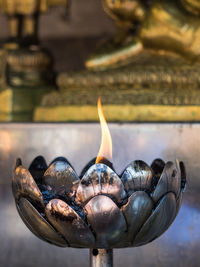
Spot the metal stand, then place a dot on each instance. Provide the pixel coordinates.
(101, 258)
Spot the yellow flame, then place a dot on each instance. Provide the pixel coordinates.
(105, 150)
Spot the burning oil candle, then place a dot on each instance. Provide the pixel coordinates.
(99, 209)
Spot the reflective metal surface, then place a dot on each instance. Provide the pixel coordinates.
(101, 258)
(179, 246)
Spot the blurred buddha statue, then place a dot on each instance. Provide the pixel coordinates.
(23, 16)
(160, 39)
(29, 65)
(162, 25)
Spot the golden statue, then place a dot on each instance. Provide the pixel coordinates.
(29, 66)
(163, 25)
(23, 18)
(149, 71)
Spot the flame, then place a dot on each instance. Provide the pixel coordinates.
(105, 150)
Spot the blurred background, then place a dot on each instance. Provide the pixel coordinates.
(70, 38)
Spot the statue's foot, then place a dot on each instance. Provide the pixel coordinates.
(169, 27)
(114, 53)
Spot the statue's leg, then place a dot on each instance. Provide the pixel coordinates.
(169, 27)
(114, 53)
(14, 26)
(125, 45)
(29, 25)
(31, 28)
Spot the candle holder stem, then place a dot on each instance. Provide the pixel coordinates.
(101, 258)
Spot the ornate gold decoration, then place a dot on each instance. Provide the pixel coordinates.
(29, 76)
(17, 104)
(165, 25)
(29, 68)
(29, 72)
(149, 71)
(156, 87)
(118, 113)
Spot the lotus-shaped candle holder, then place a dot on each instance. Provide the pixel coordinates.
(98, 209)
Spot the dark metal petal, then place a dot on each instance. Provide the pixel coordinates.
(100, 179)
(38, 225)
(157, 167)
(92, 162)
(159, 221)
(60, 178)
(38, 168)
(18, 162)
(170, 181)
(26, 221)
(106, 220)
(23, 185)
(69, 224)
(137, 176)
(183, 176)
(179, 202)
(136, 212)
(60, 159)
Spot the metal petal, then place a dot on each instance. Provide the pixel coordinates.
(60, 178)
(18, 162)
(100, 179)
(137, 176)
(157, 167)
(159, 221)
(60, 159)
(178, 165)
(179, 202)
(23, 185)
(38, 225)
(92, 162)
(183, 176)
(26, 221)
(170, 181)
(106, 220)
(38, 168)
(69, 224)
(137, 211)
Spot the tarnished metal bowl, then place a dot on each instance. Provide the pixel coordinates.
(99, 209)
